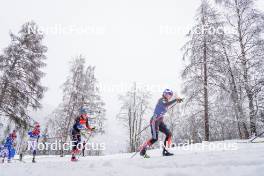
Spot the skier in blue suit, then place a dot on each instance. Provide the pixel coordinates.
(157, 124)
(8, 149)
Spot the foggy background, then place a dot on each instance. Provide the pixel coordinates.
(128, 41)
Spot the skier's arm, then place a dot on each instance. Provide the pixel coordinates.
(170, 102)
(88, 126)
(29, 133)
(178, 100)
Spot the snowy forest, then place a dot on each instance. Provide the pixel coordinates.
(21, 89)
(121, 87)
(222, 83)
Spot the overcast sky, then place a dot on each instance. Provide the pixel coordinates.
(127, 41)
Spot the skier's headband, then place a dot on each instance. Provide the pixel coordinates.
(84, 113)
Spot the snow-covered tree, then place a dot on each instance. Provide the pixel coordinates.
(199, 75)
(135, 104)
(246, 33)
(72, 95)
(92, 99)
(79, 90)
(21, 74)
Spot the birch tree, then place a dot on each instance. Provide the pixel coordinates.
(135, 104)
(246, 31)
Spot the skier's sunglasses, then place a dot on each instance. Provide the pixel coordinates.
(169, 93)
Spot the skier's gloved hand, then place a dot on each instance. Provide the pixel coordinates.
(179, 100)
(81, 127)
(93, 129)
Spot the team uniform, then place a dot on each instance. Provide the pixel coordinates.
(8, 151)
(81, 123)
(34, 136)
(157, 124)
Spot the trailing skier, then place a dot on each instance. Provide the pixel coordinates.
(157, 124)
(8, 151)
(81, 123)
(34, 136)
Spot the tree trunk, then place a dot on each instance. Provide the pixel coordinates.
(242, 130)
(205, 87)
(245, 74)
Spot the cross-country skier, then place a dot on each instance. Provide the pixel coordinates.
(157, 124)
(34, 136)
(8, 150)
(81, 123)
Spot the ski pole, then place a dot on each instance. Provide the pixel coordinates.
(146, 127)
(90, 134)
(256, 137)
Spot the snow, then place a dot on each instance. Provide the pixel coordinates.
(246, 160)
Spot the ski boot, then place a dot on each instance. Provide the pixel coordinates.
(166, 153)
(144, 153)
(20, 157)
(146, 156)
(34, 155)
(9, 160)
(73, 158)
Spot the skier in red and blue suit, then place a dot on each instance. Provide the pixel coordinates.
(157, 124)
(34, 136)
(81, 123)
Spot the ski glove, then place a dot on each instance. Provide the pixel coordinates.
(179, 100)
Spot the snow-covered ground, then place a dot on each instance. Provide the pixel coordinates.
(240, 159)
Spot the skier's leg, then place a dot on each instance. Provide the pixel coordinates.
(154, 133)
(34, 148)
(21, 156)
(163, 128)
(167, 142)
(34, 155)
(3, 154)
(74, 147)
(77, 140)
(9, 155)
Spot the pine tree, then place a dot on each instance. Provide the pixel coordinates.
(20, 78)
(80, 90)
(199, 73)
(72, 94)
(92, 99)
